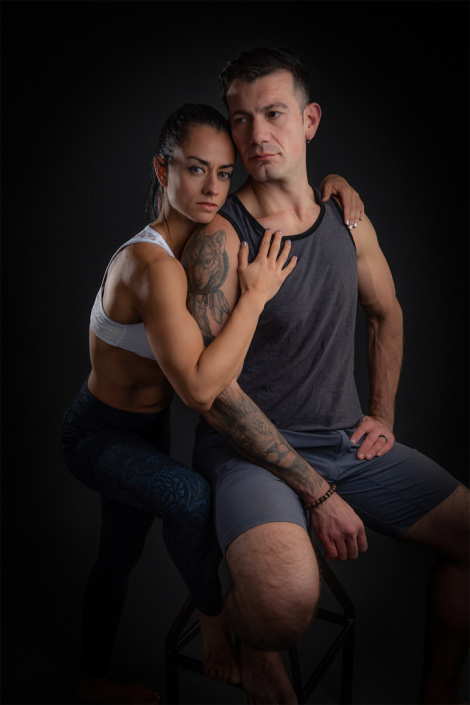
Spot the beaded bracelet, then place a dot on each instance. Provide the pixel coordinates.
(323, 499)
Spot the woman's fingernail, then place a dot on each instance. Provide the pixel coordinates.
(350, 227)
(243, 244)
(353, 440)
(355, 225)
(289, 242)
(280, 232)
(268, 229)
(347, 222)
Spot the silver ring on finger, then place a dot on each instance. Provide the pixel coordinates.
(382, 436)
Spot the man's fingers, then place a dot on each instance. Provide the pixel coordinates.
(362, 541)
(330, 548)
(364, 427)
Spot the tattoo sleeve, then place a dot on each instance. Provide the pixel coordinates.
(237, 418)
(233, 414)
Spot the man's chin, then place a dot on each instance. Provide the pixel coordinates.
(263, 172)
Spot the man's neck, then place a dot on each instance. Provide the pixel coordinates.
(288, 205)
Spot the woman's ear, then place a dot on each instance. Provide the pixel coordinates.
(161, 171)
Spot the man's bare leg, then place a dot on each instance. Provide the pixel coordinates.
(102, 690)
(446, 529)
(275, 591)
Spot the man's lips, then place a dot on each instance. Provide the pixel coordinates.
(261, 157)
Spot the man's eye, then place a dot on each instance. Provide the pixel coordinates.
(239, 120)
(273, 113)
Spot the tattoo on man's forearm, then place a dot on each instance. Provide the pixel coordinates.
(206, 265)
(237, 418)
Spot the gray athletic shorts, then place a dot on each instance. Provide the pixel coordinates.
(389, 493)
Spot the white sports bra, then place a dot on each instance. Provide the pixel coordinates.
(131, 336)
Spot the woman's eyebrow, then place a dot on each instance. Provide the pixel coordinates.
(222, 166)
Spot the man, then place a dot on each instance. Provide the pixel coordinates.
(299, 372)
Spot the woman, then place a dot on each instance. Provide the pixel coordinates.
(115, 437)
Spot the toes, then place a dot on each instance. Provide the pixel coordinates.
(235, 675)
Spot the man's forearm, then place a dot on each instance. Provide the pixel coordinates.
(237, 418)
(385, 359)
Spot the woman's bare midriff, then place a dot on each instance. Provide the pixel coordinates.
(125, 380)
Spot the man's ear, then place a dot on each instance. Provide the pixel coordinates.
(161, 170)
(312, 116)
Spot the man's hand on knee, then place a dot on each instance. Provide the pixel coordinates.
(339, 529)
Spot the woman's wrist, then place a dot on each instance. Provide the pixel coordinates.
(254, 299)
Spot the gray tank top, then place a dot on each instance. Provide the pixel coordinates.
(300, 365)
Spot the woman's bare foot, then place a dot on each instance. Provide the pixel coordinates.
(265, 679)
(102, 690)
(219, 655)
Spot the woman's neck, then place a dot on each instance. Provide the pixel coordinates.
(175, 229)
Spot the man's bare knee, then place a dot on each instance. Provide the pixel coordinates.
(276, 585)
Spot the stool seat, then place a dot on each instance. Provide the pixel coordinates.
(180, 635)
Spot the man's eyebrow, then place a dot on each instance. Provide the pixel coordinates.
(222, 166)
(264, 109)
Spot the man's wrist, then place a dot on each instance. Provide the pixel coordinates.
(386, 419)
(313, 496)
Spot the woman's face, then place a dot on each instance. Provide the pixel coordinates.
(198, 179)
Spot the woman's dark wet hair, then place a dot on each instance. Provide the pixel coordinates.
(173, 134)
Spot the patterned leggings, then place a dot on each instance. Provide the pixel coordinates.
(125, 457)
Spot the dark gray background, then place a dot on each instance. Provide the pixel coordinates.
(86, 89)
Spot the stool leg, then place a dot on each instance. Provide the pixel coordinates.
(171, 675)
(296, 673)
(347, 668)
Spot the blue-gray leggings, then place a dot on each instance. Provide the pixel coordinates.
(125, 457)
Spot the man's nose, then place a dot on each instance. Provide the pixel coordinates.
(259, 131)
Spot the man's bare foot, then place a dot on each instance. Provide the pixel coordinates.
(219, 655)
(265, 679)
(102, 690)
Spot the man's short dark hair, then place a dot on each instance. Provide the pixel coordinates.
(250, 65)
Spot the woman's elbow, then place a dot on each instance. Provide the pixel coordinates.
(199, 401)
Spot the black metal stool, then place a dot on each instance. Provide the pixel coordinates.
(177, 640)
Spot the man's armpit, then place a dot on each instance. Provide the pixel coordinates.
(207, 265)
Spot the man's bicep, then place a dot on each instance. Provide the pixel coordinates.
(210, 261)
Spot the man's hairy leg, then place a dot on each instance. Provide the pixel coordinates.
(446, 530)
(275, 591)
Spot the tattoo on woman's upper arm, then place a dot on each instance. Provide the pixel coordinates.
(206, 264)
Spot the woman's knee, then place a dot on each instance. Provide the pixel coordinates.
(186, 496)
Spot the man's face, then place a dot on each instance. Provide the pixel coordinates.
(268, 127)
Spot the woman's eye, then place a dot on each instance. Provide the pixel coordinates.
(193, 169)
(225, 174)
